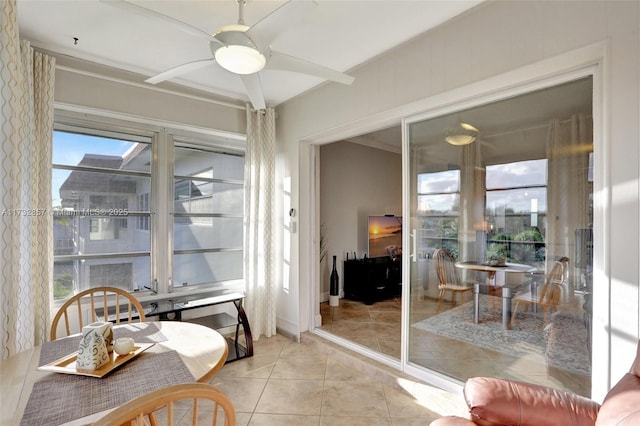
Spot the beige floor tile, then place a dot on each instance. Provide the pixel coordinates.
(393, 304)
(260, 419)
(305, 367)
(340, 372)
(354, 421)
(387, 329)
(389, 345)
(392, 317)
(243, 392)
(352, 315)
(294, 348)
(270, 345)
(402, 404)
(242, 419)
(301, 397)
(411, 422)
(256, 367)
(353, 328)
(342, 398)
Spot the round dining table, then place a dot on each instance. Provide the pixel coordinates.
(496, 277)
(200, 351)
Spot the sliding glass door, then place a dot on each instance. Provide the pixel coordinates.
(501, 214)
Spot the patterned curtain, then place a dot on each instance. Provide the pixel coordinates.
(26, 128)
(259, 239)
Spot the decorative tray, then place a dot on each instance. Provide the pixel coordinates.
(67, 364)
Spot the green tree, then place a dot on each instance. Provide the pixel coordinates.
(62, 286)
(499, 246)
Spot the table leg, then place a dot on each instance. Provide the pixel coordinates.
(476, 303)
(506, 307)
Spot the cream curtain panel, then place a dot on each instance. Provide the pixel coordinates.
(472, 204)
(259, 245)
(26, 128)
(569, 143)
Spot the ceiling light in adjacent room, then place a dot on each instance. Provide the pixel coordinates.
(462, 134)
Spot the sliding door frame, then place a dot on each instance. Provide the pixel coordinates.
(591, 60)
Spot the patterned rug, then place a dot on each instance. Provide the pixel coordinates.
(527, 336)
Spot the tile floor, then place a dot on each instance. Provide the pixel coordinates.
(288, 383)
(377, 327)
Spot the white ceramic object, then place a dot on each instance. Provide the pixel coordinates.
(104, 329)
(92, 352)
(123, 345)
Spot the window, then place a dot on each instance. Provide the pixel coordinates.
(438, 210)
(95, 178)
(516, 205)
(113, 213)
(208, 216)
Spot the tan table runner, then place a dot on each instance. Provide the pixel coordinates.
(139, 332)
(66, 397)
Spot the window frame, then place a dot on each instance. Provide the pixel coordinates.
(426, 238)
(540, 216)
(162, 137)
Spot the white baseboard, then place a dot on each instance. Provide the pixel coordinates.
(288, 329)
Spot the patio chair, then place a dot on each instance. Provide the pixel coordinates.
(98, 300)
(449, 280)
(205, 403)
(548, 297)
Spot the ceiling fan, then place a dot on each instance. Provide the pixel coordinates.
(245, 50)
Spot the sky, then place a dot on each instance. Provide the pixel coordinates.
(511, 175)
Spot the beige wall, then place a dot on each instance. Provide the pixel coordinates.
(87, 85)
(491, 40)
(356, 181)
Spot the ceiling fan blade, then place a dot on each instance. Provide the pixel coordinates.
(254, 90)
(188, 28)
(180, 69)
(282, 62)
(272, 25)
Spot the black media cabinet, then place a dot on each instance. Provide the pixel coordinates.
(171, 308)
(372, 279)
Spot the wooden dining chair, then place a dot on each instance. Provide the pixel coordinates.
(548, 297)
(200, 402)
(97, 301)
(448, 278)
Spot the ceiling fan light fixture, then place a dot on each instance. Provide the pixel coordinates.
(240, 59)
(462, 134)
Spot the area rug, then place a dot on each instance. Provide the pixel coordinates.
(526, 338)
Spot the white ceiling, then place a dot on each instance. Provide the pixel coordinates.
(340, 34)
